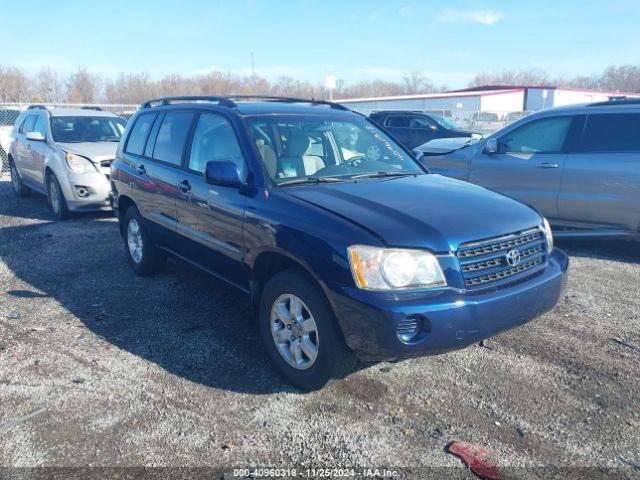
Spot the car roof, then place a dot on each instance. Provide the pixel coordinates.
(261, 108)
(78, 112)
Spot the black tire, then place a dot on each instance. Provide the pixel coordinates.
(152, 260)
(334, 359)
(55, 197)
(19, 188)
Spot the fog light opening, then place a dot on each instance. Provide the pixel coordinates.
(410, 328)
(82, 191)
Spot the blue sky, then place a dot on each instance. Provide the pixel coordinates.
(355, 40)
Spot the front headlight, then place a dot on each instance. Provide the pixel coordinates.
(376, 268)
(546, 228)
(79, 164)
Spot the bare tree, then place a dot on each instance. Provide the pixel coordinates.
(47, 87)
(533, 77)
(83, 87)
(14, 85)
(417, 82)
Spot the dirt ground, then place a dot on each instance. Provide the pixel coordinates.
(99, 368)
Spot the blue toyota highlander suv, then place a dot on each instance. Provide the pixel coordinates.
(346, 246)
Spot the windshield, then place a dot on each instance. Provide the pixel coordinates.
(445, 122)
(313, 147)
(87, 129)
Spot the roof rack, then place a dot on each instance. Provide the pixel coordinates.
(92, 107)
(37, 107)
(273, 98)
(168, 100)
(227, 101)
(620, 100)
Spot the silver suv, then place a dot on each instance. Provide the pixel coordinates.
(65, 154)
(579, 165)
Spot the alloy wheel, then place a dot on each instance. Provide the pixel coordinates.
(54, 197)
(294, 331)
(134, 240)
(15, 180)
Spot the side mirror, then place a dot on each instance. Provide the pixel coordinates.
(223, 172)
(418, 154)
(35, 136)
(491, 147)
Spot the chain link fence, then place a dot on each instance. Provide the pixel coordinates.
(9, 113)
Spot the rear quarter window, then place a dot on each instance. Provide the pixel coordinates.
(139, 134)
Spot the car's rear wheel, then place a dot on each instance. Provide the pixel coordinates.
(19, 188)
(57, 202)
(300, 332)
(143, 256)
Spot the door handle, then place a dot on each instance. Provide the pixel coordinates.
(184, 186)
(141, 170)
(547, 165)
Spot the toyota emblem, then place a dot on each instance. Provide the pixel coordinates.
(513, 258)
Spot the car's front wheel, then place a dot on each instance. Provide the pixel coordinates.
(57, 202)
(300, 332)
(19, 188)
(144, 257)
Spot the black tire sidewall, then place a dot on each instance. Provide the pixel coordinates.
(22, 191)
(62, 204)
(331, 348)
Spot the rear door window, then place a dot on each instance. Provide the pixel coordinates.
(547, 135)
(139, 133)
(614, 132)
(172, 137)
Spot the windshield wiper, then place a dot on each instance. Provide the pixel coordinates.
(384, 174)
(310, 180)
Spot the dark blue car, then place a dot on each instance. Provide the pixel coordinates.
(345, 245)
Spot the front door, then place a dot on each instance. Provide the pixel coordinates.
(39, 150)
(212, 216)
(528, 165)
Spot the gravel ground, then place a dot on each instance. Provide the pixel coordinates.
(121, 371)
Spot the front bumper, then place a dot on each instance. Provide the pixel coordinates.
(454, 319)
(86, 192)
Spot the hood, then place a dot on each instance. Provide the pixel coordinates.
(426, 211)
(94, 151)
(442, 146)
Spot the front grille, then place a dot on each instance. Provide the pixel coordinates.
(485, 263)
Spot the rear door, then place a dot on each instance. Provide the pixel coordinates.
(422, 130)
(529, 162)
(601, 181)
(155, 149)
(212, 216)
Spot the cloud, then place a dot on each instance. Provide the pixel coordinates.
(405, 11)
(484, 17)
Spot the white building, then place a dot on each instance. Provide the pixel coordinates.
(491, 98)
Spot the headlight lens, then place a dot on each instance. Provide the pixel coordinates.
(79, 164)
(548, 234)
(376, 268)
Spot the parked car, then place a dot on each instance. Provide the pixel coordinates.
(511, 117)
(579, 165)
(415, 128)
(8, 116)
(66, 155)
(484, 122)
(368, 257)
